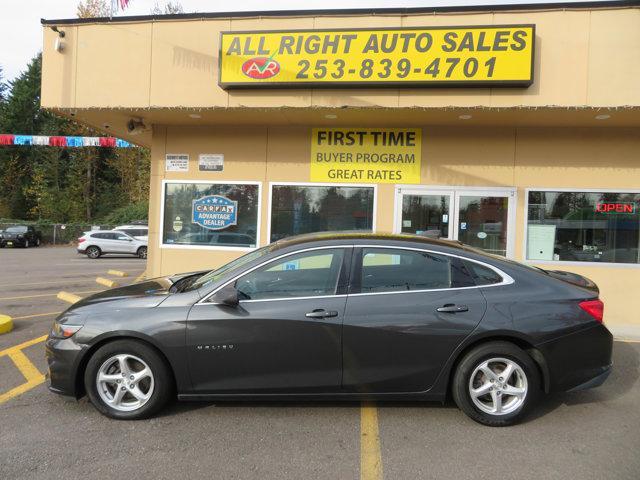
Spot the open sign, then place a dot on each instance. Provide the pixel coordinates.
(616, 207)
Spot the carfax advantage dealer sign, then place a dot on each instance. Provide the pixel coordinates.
(429, 56)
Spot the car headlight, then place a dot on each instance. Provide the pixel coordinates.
(63, 330)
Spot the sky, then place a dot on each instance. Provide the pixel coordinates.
(21, 33)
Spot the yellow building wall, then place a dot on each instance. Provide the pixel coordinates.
(583, 58)
(524, 158)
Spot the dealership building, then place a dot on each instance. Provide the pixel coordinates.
(514, 129)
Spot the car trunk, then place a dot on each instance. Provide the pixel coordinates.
(574, 279)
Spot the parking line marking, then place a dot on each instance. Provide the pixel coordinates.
(37, 315)
(626, 340)
(370, 458)
(20, 389)
(27, 369)
(22, 345)
(43, 295)
(141, 276)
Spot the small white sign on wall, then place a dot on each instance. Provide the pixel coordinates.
(176, 162)
(211, 162)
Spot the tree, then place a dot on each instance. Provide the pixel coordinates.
(3, 87)
(170, 8)
(94, 9)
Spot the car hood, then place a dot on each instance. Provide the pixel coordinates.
(149, 293)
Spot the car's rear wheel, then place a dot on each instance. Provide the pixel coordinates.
(37, 242)
(127, 380)
(496, 384)
(26, 244)
(93, 252)
(142, 252)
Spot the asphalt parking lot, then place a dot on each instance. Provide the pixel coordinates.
(588, 435)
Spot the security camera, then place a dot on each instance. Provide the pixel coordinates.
(135, 126)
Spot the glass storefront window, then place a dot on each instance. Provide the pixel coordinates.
(297, 209)
(211, 214)
(584, 226)
(426, 215)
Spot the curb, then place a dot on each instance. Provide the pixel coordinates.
(117, 273)
(68, 297)
(6, 324)
(106, 282)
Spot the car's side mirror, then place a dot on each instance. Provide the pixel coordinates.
(226, 296)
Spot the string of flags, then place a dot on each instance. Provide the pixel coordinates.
(59, 141)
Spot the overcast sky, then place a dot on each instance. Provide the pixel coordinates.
(21, 34)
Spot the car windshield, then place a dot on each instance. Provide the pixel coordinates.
(215, 275)
(16, 229)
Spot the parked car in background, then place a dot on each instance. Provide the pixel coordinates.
(139, 232)
(20, 236)
(96, 243)
(344, 316)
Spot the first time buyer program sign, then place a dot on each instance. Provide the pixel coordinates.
(366, 155)
(495, 55)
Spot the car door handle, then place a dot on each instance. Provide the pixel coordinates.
(321, 313)
(450, 308)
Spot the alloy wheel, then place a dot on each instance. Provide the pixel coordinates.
(125, 382)
(498, 386)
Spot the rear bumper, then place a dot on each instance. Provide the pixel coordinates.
(579, 360)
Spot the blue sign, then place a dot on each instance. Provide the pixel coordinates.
(215, 212)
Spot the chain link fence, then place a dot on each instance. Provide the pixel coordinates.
(59, 233)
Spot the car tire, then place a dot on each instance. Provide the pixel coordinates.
(142, 252)
(26, 244)
(37, 242)
(481, 390)
(128, 401)
(93, 252)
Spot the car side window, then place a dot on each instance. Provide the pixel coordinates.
(307, 274)
(392, 270)
(121, 237)
(482, 275)
(98, 235)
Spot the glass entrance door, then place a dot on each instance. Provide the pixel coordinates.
(482, 218)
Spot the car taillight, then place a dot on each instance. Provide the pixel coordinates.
(595, 308)
(81, 239)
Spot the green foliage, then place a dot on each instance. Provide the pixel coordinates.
(129, 213)
(62, 185)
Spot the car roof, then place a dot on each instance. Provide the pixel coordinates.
(132, 227)
(363, 237)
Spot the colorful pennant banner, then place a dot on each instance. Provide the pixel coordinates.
(41, 140)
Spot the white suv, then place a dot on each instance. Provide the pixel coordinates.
(140, 232)
(98, 242)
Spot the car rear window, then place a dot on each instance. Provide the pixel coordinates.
(482, 275)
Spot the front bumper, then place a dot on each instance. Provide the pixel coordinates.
(63, 358)
(13, 242)
(578, 360)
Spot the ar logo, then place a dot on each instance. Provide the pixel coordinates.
(260, 68)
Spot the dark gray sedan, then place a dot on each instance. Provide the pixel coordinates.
(338, 316)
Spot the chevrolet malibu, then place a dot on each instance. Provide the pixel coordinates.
(338, 316)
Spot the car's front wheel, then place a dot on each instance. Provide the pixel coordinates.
(127, 380)
(26, 244)
(142, 252)
(496, 383)
(93, 252)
